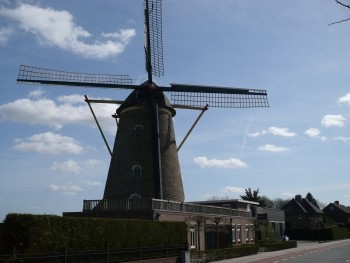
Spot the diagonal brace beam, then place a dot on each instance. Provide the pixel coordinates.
(98, 125)
(194, 124)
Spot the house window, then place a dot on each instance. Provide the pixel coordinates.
(138, 129)
(247, 233)
(238, 233)
(233, 233)
(194, 237)
(137, 171)
(135, 196)
(251, 229)
(226, 205)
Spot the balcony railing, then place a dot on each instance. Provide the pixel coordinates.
(122, 205)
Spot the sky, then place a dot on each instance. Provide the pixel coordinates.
(52, 156)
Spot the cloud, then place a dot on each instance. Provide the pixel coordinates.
(277, 131)
(48, 143)
(333, 120)
(257, 134)
(37, 93)
(226, 164)
(5, 34)
(315, 133)
(92, 183)
(345, 99)
(69, 166)
(342, 138)
(288, 194)
(57, 28)
(67, 110)
(68, 189)
(273, 148)
(91, 163)
(233, 189)
(281, 132)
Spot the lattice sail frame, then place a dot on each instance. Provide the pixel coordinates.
(220, 100)
(156, 39)
(34, 75)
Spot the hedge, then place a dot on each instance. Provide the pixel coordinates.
(278, 245)
(45, 233)
(220, 254)
(334, 233)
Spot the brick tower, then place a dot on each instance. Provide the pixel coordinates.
(131, 172)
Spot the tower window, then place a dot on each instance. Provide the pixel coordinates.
(137, 171)
(138, 129)
(135, 196)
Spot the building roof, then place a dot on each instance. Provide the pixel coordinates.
(272, 215)
(344, 209)
(299, 205)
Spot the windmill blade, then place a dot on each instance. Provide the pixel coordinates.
(220, 97)
(35, 75)
(154, 38)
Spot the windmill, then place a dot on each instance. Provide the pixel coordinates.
(144, 161)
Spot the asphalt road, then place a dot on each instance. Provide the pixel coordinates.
(306, 252)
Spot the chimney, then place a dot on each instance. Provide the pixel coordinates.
(298, 198)
(336, 202)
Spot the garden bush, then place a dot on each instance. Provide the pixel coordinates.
(45, 233)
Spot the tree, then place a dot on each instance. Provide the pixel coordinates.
(311, 199)
(253, 196)
(279, 203)
(343, 20)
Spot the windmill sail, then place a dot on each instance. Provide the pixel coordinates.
(154, 38)
(144, 160)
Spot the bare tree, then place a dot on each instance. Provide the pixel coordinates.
(343, 20)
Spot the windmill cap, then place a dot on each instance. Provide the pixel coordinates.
(142, 97)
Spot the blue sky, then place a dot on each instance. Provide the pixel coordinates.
(52, 156)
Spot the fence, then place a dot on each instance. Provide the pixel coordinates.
(157, 204)
(95, 256)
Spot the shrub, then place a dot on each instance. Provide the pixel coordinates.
(317, 233)
(43, 233)
(220, 254)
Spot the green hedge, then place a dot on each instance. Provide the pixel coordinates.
(220, 254)
(334, 233)
(44, 233)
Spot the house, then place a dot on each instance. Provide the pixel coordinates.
(210, 224)
(300, 213)
(273, 219)
(339, 213)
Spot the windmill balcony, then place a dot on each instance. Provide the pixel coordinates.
(144, 205)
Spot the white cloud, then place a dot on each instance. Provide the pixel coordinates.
(69, 166)
(91, 163)
(233, 189)
(5, 34)
(315, 133)
(37, 93)
(288, 194)
(342, 138)
(57, 28)
(345, 99)
(68, 189)
(92, 183)
(48, 143)
(333, 120)
(67, 110)
(257, 134)
(277, 131)
(281, 132)
(273, 148)
(227, 164)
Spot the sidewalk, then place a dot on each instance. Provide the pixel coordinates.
(302, 246)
